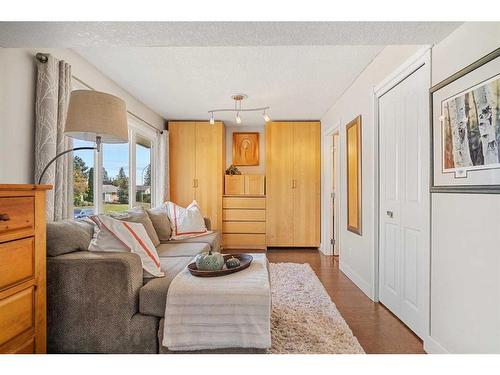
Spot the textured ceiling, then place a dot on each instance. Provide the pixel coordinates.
(183, 69)
(79, 34)
(298, 82)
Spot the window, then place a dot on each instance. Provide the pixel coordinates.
(115, 177)
(83, 180)
(125, 175)
(143, 170)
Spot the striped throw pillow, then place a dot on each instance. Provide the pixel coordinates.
(186, 222)
(117, 235)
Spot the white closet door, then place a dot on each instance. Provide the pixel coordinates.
(404, 199)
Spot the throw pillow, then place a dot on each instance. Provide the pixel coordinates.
(186, 222)
(117, 235)
(68, 236)
(160, 221)
(139, 215)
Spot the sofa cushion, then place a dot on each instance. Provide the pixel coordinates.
(153, 295)
(68, 236)
(139, 215)
(191, 249)
(213, 239)
(161, 223)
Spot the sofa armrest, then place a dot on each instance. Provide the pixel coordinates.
(208, 224)
(91, 299)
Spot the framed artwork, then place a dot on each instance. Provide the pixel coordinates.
(246, 149)
(353, 146)
(465, 129)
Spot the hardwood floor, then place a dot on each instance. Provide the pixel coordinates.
(377, 329)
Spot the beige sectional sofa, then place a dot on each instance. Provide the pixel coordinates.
(100, 302)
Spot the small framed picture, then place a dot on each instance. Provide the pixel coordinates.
(465, 128)
(246, 149)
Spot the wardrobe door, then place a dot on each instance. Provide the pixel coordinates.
(210, 154)
(306, 184)
(279, 181)
(182, 144)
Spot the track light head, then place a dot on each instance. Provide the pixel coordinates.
(238, 118)
(266, 117)
(212, 119)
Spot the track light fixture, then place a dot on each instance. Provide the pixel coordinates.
(238, 98)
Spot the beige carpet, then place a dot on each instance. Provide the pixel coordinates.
(304, 318)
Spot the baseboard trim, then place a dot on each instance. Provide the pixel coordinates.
(431, 346)
(356, 279)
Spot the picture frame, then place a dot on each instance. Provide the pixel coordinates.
(353, 156)
(246, 148)
(465, 129)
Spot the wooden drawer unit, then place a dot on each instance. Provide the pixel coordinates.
(244, 215)
(244, 184)
(244, 241)
(256, 203)
(16, 314)
(17, 214)
(243, 227)
(244, 222)
(22, 269)
(16, 261)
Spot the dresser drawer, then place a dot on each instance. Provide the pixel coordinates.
(243, 215)
(238, 241)
(16, 314)
(250, 203)
(17, 213)
(243, 227)
(16, 261)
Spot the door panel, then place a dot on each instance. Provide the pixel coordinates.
(279, 196)
(209, 171)
(306, 191)
(404, 199)
(182, 161)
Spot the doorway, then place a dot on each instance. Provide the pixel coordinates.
(331, 234)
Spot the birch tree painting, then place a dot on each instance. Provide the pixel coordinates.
(471, 128)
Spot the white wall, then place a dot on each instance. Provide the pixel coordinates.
(258, 169)
(465, 267)
(357, 252)
(17, 103)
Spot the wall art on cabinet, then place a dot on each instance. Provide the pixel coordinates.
(246, 149)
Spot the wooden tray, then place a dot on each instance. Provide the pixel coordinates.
(245, 261)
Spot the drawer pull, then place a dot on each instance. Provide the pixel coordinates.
(4, 217)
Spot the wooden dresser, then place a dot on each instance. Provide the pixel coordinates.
(244, 222)
(22, 269)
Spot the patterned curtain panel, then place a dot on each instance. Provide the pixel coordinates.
(53, 88)
(163, 171)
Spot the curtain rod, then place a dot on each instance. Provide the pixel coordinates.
(44, 57)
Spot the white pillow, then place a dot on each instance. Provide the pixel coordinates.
(186, 222)
(123, 236)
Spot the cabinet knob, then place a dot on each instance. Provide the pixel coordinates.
(4, 217)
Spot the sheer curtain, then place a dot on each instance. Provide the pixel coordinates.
(53, 88)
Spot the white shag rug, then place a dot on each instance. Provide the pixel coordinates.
(304, 318)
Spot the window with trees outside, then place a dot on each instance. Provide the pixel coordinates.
(125, 178)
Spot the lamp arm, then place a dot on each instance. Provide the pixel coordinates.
(59, 155)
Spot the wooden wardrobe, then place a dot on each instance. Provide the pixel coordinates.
(293, 184)
(197, 163)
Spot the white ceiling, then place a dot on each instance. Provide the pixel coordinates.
(180, 34)
(184, 69)
(182, 83)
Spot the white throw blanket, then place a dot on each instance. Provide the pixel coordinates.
(232, 311)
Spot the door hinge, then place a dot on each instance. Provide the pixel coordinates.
(332, 195)
(332, 241)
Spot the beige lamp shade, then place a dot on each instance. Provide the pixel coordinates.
(94, 114)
